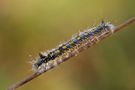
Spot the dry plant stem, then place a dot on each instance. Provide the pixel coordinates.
(36, 74)
(125, 24)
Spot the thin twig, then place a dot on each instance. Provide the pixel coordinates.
(36, 74)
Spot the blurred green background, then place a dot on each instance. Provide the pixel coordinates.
(30, 26)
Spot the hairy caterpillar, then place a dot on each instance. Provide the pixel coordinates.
(83, 40)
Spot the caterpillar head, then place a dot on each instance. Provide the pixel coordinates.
(40, 60)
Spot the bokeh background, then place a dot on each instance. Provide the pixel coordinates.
(30, 26)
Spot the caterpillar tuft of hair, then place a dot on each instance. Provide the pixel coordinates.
(76, 44)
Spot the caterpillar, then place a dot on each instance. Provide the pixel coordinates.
(76, 44)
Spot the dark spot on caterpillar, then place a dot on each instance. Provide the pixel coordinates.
(61, 50)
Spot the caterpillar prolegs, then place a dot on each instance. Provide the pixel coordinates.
(76, 44)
